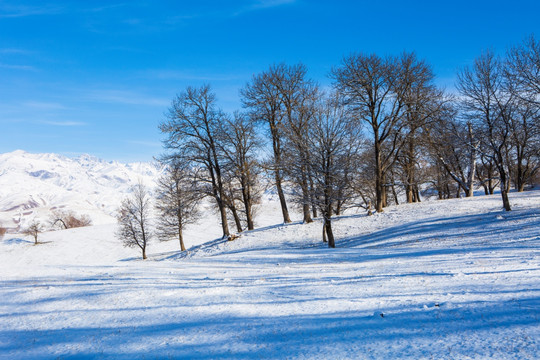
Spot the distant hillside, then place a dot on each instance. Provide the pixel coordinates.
(32, 185)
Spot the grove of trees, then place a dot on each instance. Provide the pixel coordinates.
(382, 134)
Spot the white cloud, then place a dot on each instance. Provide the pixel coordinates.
(126, 97)
(144, 143)
(187, 75)
(14, 11)
(18, 67)
(43, 105)
(63, 123)
(263, 4)
(14, 51)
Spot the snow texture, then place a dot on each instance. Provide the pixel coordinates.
(452, 279)
(34, 185)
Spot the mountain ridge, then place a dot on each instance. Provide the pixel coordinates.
(32, 185)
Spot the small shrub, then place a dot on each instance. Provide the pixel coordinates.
(69, 219)
(34, 229)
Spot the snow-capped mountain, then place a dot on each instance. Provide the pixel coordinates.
(33, 185)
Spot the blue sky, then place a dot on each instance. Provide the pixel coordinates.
(96, 76)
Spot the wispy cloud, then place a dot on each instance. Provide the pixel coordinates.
(126, 97)
(43, 105)
(18, 67)
(145, 143)
(64, 123)
(263, 4)
(18, 10)
(14, 51)
(187, 75)
(105, 7)
(225, 12)
(14, 11)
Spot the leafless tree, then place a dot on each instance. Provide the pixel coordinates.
(525, 143)
(524, 69)
(378, 89)
(488, 102)
(333, 139)
(69, 219)
(134, 219)
(178, 198)
(241, 143)
(33, 229)
(423, 105)
(299, 95)
(454, 146)
(264, 102)
(3, 231)
(486, 171)
(192, 128)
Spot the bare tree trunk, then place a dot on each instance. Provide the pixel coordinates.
(246, 197)
(329, 233)
(379, 182)
(312, 198)
(224, 222)
(237, 220)
(394, 193)
(181, 239)
(276, 144)
(472, 162)
(520, 184)
(282, 201)
(417, 194)
(520, 173)
(504, 194)
(144, 253)
(307, 213)
(339, 204)
(504, 182)
(306, 200)
(409, 192)
(324, 239)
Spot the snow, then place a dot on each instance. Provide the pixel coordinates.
(452, 279)
(33, 185)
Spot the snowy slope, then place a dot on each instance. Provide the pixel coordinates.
(31, 185)
(454, 279)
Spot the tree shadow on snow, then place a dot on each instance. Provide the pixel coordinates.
(471, 329)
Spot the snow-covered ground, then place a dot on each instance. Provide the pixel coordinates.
(34, 185)
(453, 279)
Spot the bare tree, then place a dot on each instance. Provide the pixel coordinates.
(33, 229)
(376, 89)
(263, 99)
(454, 146)
(333, 140)
(134, 219)
(524, 69)
(525, 142)
(177, 202)
(423, 105)
(488, 102)
(3, 232)
(241, 143)
(486, 172)
(69, 219)
(299, 95)
(192, 128)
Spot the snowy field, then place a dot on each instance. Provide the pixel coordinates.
(454, 279)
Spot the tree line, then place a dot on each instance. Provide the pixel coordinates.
(383, 132)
